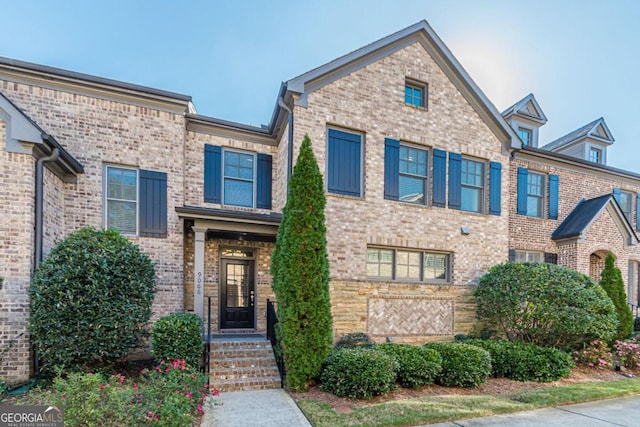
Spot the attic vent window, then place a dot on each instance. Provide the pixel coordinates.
(525, 136)
(415, 94)
(595, 155)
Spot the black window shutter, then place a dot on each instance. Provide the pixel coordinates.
(512, 255)
(439, 177)
(264, 181)
(550, 258)
(455, 176)
(495, 187)
(523, 178)
(153, 203)
(212, 174)
(553, 196)
(391, 169)
(344, 163)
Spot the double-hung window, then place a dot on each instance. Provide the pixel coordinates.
(413, 180)
(625, 200)
(535, 195)
(525, 135)
(472, 183)
(408, 265)
(135, 201)
(122, 200)
(538, 194)
(239, 178)
(595, 155)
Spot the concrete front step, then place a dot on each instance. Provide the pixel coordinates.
(246, 384)
(238, 365)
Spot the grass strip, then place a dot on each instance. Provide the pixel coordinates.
(434, 409)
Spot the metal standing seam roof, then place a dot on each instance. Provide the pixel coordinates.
(580, 217)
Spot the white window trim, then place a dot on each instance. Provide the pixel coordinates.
(427, 178)
(484, 187)
(254, 179)
(545, 193)
(105, 198)
(527, 254)
(422, 252)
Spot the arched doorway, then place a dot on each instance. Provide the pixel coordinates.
(596, 264)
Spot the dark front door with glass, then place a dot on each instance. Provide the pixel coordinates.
(237, 294)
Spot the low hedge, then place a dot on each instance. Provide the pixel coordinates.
(355, 340)
(463, 365)
(525, 361)
(178, 336)
(359, 373)
(417, 366)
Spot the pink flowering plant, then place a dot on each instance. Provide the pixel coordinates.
(628, 353)
(171, 394)
(595, 355)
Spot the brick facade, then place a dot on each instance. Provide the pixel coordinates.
(110, 123)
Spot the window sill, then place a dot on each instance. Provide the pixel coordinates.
(344, 196)
(416, 107)
(408, 282)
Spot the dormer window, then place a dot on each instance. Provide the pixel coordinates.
(415, 94)
(525, 136)
(595, 155)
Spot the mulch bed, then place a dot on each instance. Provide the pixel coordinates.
(494, 387)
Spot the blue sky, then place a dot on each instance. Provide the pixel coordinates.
(581, 59)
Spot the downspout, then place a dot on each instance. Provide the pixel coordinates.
(55, 154)
(290, 142)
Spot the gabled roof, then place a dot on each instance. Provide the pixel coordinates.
(423, 33)
(22, 129)
(597, 130)
(528, 108)
(576, 224)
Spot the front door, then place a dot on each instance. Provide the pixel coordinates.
(237, 294)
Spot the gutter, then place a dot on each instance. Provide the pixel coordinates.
(55, 154)
(290, 141)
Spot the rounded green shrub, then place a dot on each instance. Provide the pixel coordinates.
(463, 365)
(90, 300)
(545, 304)
(178, 336)
(417, 366)
(525, 361)
(355, 340)
(359, 373)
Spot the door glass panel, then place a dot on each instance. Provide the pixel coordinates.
(237, 285)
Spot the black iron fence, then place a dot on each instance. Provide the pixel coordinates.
(272, 321)
(206, 337)
(635, 310)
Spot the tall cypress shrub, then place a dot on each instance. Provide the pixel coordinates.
(300, 275)
(611, 281)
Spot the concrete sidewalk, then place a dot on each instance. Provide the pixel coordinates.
(612, 412)
(259, 408)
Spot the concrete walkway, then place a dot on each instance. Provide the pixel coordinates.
(259, 408)
(613, 412)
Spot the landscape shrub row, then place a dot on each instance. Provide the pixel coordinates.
(358, 368)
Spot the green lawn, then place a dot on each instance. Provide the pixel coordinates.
(433, 409)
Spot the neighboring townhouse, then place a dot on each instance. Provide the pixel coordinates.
(427, 186)
(567, 206)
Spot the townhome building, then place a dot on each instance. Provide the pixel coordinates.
(428, 185)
